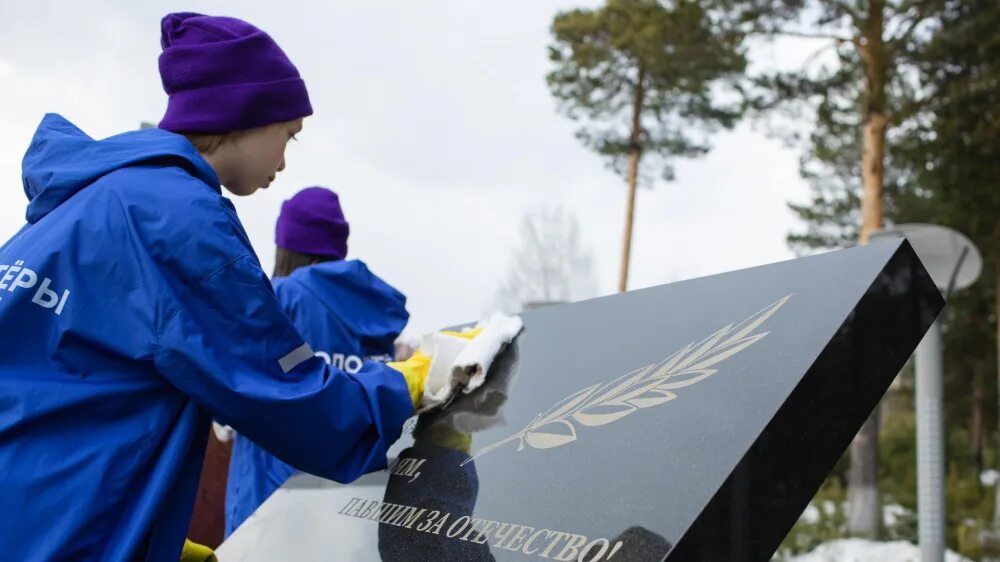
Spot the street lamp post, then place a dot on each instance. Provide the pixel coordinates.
(953, 263)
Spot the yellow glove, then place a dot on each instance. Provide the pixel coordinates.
(417, 368)
(414, 370)
(194, 552)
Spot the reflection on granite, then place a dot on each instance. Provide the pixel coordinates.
(641, 545)
(449, 484)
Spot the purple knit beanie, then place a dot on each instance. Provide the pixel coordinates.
(223, 75)
(312, 223)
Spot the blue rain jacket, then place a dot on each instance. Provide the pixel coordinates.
(133, 311)
(348, 315)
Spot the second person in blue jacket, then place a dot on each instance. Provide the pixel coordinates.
(345, 312)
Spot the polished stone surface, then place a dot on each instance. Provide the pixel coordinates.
(691, 421)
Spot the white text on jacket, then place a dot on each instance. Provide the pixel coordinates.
(16, 277)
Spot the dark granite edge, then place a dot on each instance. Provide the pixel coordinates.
(747, 492)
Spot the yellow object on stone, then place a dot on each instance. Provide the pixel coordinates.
(418, 366)
(446, 437)
(466, 335)
(194, 552)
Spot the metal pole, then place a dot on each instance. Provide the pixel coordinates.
(930, 445)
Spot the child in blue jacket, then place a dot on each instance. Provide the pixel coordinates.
(134, 310)
(346, 313)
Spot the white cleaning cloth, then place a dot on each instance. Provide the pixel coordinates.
(459, 363)
(223, 433)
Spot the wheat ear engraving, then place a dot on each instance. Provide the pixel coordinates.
(645, 387)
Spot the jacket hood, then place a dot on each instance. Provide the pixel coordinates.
(62, 160)
(367, 306)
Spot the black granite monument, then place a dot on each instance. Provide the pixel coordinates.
(688, 422)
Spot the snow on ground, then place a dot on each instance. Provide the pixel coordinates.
(861, 550)
(989, 478)
(891, 514)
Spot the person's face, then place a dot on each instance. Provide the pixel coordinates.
(255, 156)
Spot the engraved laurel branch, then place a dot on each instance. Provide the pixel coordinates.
(648, 386)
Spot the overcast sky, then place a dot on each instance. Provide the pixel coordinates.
(433, 122)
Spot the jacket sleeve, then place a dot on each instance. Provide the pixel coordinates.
(230, 348)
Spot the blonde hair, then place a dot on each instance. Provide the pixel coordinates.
(207, 143)
(287, 261)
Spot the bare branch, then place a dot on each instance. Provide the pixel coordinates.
(851, 12)
(815, 55)
(548, 264)
(792, 33)
(921, 16)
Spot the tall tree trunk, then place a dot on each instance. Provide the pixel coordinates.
(874, 59)
(978, 421)
(634, 154)
(872, 174)
(864, 516)
(865, 506)
(996, 280)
